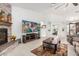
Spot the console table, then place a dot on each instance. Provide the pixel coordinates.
(30, 36)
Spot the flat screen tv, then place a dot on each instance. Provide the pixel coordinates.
(28, 26)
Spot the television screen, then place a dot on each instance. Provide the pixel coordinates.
(28, 26)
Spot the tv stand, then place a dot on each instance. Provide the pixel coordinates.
(30, 36)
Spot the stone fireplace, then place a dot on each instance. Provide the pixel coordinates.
(5, 22)
(5, 34)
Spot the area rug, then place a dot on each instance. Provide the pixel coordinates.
(39, 51)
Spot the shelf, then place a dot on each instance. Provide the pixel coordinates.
(5, 23)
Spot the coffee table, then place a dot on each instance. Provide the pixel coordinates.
(48, 44)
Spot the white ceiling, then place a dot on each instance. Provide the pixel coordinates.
(33, 6)
(58, 8)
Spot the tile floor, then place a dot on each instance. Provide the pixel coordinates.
(25, 49)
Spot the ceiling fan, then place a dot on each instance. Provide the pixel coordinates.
(58, 5)
(75, 4)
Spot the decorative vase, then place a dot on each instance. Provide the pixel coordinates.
(1, 18)
(13, 38)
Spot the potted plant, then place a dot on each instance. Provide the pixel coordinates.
(13, 37)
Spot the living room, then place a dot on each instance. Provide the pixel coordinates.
(30, 27)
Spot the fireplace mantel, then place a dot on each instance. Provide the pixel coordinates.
(5, 23)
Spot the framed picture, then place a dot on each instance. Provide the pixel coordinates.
(28, 26)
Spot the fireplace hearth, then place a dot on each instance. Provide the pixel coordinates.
(3, 35)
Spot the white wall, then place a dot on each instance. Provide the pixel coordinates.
(19, 14)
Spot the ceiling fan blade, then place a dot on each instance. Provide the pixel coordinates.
(54, 4)
(59, 6)
(66, 4)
